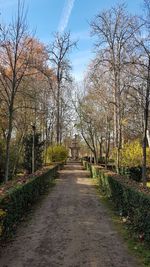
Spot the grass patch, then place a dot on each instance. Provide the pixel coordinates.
(139, 250)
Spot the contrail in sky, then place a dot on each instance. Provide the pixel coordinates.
(66, 13)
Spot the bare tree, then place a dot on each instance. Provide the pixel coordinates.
(114, 33)
(15, 52)
(142, 63)
(145, 46)
(58, 56)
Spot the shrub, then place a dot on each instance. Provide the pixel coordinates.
(17, 200)
(57, 153)
(101, 160)
(131, 154)
(128, 198)
(135, 173)
(131, 160)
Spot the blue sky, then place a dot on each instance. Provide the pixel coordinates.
(48, 16)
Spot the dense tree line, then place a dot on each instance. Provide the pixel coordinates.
(115, 106)
(36, 90)
(35, 84)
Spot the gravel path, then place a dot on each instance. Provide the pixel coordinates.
(70, 228)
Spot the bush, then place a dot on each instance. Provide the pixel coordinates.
(101, 160)
(131, 154)
(129, 199)
(17, 200)
(57, 153)
(135, 173)
(131, 160)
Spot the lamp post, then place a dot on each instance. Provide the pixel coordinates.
(33, 149)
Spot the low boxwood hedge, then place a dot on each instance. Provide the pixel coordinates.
(134, 173)
(19, 198)
(130, 199)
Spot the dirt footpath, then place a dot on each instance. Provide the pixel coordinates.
(70, 228)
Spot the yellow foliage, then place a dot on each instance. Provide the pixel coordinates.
(2, 215)
(131, 154)
(57, 153)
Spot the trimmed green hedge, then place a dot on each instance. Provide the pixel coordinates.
(131, 203)
(18, 200)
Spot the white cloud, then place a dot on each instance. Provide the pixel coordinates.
(66, 13)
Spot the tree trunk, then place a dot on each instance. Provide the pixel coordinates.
(95, 157)
(58, 116)
(33, 150)
(116, 121)
(146, 113)
(101, 149)
(8, 139)
(117, 115)
(107, 149)
(148, 138)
